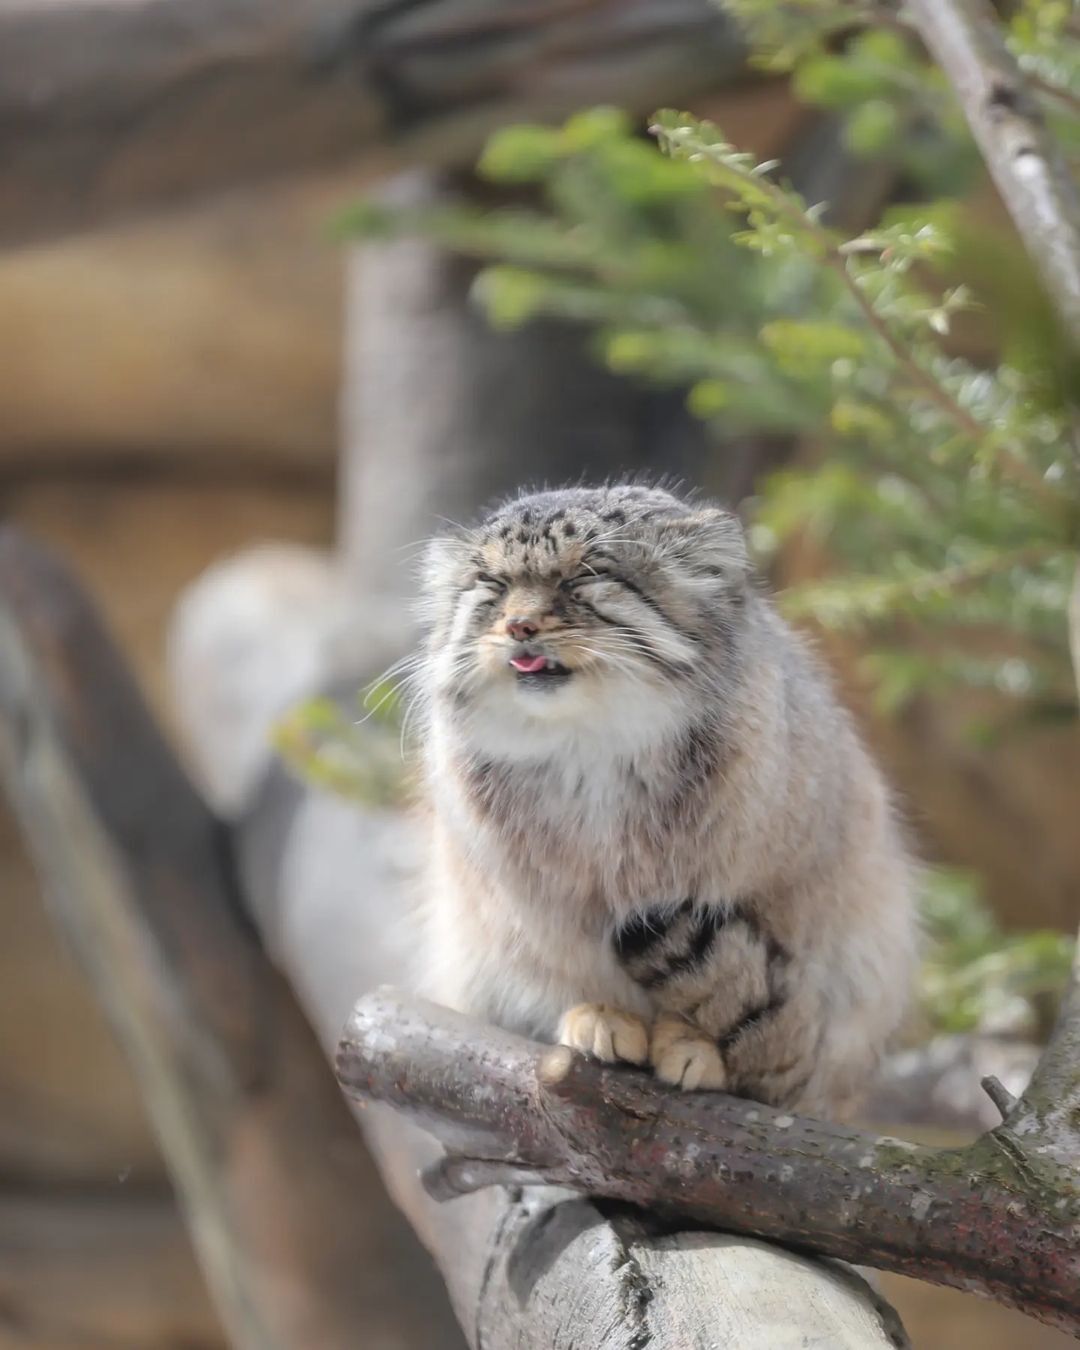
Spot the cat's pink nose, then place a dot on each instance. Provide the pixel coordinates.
(521, 629)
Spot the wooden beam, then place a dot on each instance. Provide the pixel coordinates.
(294, 1233)
(110, 107)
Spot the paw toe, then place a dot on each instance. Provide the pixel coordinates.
(685, 1059)
(605, 1033)
(631, 1039)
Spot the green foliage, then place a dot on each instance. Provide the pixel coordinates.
(949, 491)
(858, 58)
(355, 757)
(894, 105)
(976, 977)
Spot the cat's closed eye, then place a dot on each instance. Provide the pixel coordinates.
(580, 579)
(486, 579)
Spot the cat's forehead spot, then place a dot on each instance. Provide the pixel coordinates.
(551, 533)
(540, 549)
(539, 538)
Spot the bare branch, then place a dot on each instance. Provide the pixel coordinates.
(1024, 160)
(938, 1085)
(1001, 1216)
(999, 1094)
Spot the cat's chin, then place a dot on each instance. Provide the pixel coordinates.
(508, 719)
(543, 679)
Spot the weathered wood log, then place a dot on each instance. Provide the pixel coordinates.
(109, 106)
(294, 1234)
(1000, 1217)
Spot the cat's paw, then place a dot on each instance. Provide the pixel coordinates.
(685, 1057)
(605, 1032)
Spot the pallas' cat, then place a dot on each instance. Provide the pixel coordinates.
(655, 835)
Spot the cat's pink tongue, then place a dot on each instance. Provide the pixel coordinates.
(528, 665)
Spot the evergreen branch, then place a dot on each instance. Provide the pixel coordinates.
(834, 256)
(875, 597)
(903, 356)
(1055, 91)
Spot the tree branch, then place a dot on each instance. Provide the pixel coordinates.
(1027, 165)
(1000, 1217)
(999, 1094)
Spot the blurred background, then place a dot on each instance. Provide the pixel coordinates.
(204, 355)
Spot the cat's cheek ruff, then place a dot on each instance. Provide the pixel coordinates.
(608, 718)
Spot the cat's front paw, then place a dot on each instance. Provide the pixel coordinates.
(685, 1057)
(605, 1032)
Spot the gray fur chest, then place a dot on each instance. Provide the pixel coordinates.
(602, 838)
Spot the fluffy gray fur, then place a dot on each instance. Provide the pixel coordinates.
(668, 845)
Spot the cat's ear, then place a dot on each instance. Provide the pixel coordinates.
(443, 560)
(706, 544)
(442, 572)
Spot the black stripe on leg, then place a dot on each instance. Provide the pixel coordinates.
(776, 963)
(776, 954)
(642, 931)
(754, 1017)
(694, 945)
(709, 922)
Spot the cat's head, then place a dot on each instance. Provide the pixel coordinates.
(577, 609)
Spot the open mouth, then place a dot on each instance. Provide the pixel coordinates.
(537, 671)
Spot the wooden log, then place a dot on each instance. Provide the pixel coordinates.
(294, 1235)
(113, 106)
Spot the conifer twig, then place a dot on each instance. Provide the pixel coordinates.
(834, 255)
